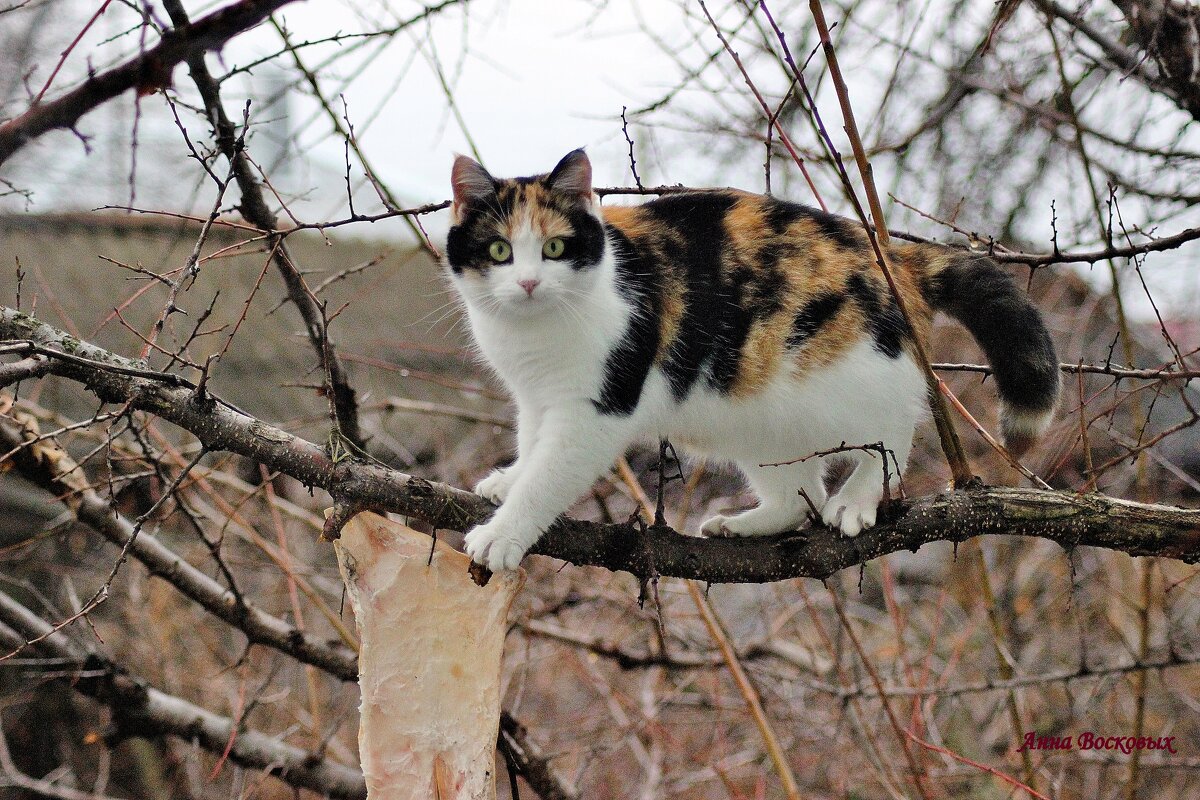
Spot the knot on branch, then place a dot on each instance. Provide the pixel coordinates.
(420, 489)
(114, 686)
(337, 517)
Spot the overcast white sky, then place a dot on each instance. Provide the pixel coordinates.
(535, 79)
(532, 79)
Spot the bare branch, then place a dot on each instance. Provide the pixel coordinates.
(147, 72)
(255, 209)
(58, 477)
(139, 709)
(1164, 374)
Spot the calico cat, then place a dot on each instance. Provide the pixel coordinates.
(742, 327)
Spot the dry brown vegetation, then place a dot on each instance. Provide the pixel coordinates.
(163, 514)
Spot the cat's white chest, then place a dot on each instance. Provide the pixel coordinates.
(556, 356)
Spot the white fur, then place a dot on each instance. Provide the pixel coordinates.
(550, 349)
(1026, 422)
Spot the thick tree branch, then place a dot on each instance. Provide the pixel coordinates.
(141, 710)
(32, 367)
(55, 472)
(147, 72)
(1069, 519)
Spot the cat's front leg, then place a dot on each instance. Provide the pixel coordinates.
(496, 486)
(575, 445)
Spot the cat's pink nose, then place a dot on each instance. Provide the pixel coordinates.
(528, 285)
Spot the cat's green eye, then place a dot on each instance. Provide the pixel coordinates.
(500, 250)
(554, 248)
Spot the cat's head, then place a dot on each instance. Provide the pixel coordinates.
(525, 246)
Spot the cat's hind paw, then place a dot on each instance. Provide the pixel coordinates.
(715, 527)
(496, 546)
(495, 487)
(755, 522)
(850, 515)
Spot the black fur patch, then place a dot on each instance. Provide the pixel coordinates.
(841, 230)
(730, 329)
(467, 243)
(781, 214)
(509, 195)
(883, 317)
(586, 247)
(985, 299)
(629, 363)
(712, 318)
(815, 313)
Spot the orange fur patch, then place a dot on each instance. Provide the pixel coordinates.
(807, 264)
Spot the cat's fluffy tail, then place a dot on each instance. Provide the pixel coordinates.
(978, 293)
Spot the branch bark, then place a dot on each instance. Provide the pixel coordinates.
(1069, 519)
(32, 367)
(147, 72)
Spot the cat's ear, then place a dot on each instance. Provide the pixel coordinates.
(471, 182)
(573, 175)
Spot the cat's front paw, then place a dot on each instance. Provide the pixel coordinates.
(495, 487)
(497, 545)
(850, 515)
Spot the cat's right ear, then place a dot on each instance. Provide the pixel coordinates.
(471, 182)
(573, 175)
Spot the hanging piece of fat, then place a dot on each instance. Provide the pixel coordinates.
(431, 643)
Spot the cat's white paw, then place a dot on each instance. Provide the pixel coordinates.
(495, 487)
(497, 546)
(715, 527)
(755, 522)
(850, 515)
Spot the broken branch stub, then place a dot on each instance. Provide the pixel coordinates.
(431, 643)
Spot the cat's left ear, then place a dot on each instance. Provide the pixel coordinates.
(573, 175)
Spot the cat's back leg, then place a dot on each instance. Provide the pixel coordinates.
(853, 508)
(780, 504)
(873, 396)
